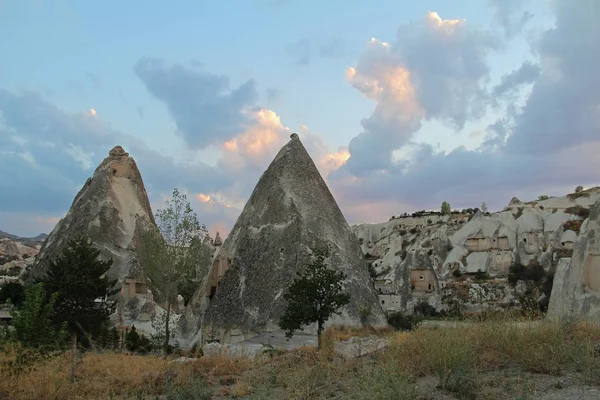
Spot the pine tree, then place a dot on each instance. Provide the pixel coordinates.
(33, 323)
(315, 296)
(79, 279)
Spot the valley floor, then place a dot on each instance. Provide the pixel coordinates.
(485, 360)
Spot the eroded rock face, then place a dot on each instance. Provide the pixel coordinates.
(17, 255)
(112, 208)
(576, 289)
(463, 260)
(290, 210)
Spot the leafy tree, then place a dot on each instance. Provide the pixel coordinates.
(33, 321)
(543, 197)
(315, 296)
(79, 279)
(445, 208)
(579, 189)
(172, 255)
(484, 207)
(12, 291)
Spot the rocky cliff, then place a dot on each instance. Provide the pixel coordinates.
(17, 255)
(290, 211)
(112, 208)
(576, 287)
(473, 261)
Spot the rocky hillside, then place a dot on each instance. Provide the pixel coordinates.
(17, 254)
(470, 261)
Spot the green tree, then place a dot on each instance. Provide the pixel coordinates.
(543, 197)
(484, 207)
(315, 296)
(79, 279)
(171, 256)
(579, 189)
(446, 208)
(33, 321)
(12, 291)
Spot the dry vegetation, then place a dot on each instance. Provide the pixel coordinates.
(494, 359)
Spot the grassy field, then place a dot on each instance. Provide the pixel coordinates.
(485, 360)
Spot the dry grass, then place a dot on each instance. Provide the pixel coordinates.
(117, 375)
(543, 347)
(456, 358)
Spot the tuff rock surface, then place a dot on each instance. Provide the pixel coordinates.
(17, 255)
(112, 208)
(466, 256)
(576, 289)
(290, 210)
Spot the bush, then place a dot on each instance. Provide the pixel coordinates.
(364, 313)
(456, 273)
(580, 211)
(137, 343)
(534, 272)
(403, 322)
(481, 276)
(425, 309)
(12, 291)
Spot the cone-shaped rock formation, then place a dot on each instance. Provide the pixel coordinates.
(112, 208)
(290, 210)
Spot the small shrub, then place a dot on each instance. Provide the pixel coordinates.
(403, 322)
(425, 309)
(534, 272)
(576, 195)
(364, 313)
(137, 343)
(12, 291)
(460, 381)
(580, 211)
(481, 276)
(456, 273)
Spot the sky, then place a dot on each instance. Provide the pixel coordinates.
(401, 104)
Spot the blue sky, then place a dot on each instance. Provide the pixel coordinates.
(149, 69)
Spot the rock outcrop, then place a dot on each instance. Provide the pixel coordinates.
(112, 208)
(463, 260)
(17, 255)
(576, 289)
(290, 211)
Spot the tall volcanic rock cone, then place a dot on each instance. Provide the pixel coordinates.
(290, 211)
(112, 208)
(576, 287)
